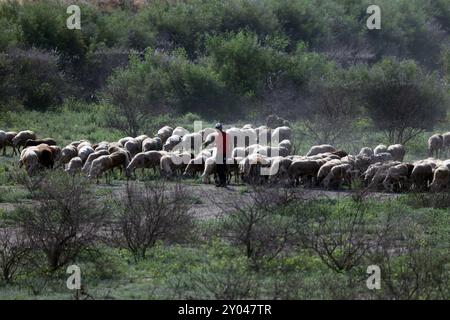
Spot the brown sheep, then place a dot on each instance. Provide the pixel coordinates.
(38, 156)
(33, 143)
(56, 153)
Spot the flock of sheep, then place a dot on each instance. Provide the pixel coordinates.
(258, 155)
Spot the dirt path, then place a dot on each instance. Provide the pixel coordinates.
(209, 201)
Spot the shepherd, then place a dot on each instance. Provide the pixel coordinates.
(222, 154)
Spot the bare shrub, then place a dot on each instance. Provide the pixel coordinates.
(13, 252)
(150, 213)
(230, 283)
(223, 275)
(340, 236)
(65, 219)
(253, 224)
(413, 259)
(30, 183)
(439, 200)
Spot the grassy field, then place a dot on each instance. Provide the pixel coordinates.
(209, 265)
(303, 249)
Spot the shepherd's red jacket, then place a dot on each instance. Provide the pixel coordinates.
(224, 144)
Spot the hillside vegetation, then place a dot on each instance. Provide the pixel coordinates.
(314, 62)
(136, 66)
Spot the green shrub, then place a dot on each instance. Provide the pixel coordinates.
(31, 78)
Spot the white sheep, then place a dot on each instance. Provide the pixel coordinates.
(446, 143)
(365, 151)
(87, 165)
(133, 146)
(441, 177)
(74, 166)
(381, 148)
(435, 145)
(286, 144)
(164, 133)
(323, 148)
(67, 153)
(180, 131)
(151, 144)
(21, 138)
(3, 141)
(397, 151)
(84, 152)
(171, 142)
(281, 133)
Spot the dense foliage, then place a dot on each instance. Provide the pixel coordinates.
(315, 62)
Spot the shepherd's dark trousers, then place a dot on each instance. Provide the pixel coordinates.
(222, 173)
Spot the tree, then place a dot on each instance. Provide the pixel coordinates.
(244, 63)
(403, 100)
(332, 106)
(135, 93)
(31, 78)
